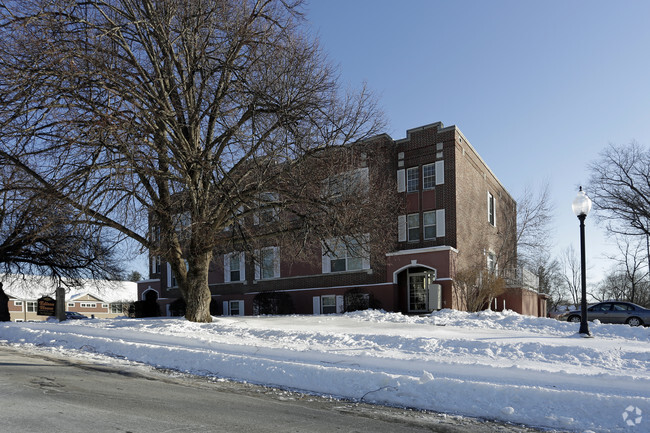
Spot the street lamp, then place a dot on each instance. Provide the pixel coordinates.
(581, 206)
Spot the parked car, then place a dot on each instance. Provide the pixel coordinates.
(70, 315)
(613, 312)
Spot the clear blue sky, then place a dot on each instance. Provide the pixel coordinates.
(538, 87)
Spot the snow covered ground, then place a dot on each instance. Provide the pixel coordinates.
(501, 366)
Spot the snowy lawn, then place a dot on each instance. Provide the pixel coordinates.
(502, 366)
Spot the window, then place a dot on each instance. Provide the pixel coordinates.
(413, 221)
(350, 183)
(171, 276)
(88, 305)
(412, 179)
(492, 262)
(31, 306)
(491, 210)
(233, 267)
(18, 304)
(71, 304)
(117, 308)
(345, 254)
(601, 307)
(328, 304)
(267, 211)
(155, 265)
(233, 308)
(429, 224)
(428, 176)
(268, 264)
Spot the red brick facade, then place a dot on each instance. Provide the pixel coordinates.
(455, 213)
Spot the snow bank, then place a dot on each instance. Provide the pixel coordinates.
(502, 366)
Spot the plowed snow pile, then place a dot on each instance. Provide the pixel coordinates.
(504, 366)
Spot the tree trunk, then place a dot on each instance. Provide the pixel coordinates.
(196, 291)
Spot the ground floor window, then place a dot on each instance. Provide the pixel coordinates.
(31, 306)
(233, 308)
(328, 304)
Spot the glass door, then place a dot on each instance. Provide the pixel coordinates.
(418, 291)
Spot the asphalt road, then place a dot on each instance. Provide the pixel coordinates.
(42, 393)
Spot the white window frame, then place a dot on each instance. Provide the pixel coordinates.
(239, 257)
(267, 205)
(432, 225)
(88, 305)
(31, 306)
(335, 304)
(429, 180)
(336, 186)
(260, 273)
(228, 307)
(330, 300)
(492, 265)
(413, 224)
(340, 250)
(491, 209)
(412, 179)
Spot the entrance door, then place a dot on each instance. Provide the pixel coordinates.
(418, 288)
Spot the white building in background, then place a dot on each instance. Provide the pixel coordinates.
(94, 298)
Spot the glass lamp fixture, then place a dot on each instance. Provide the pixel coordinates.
(581, 204)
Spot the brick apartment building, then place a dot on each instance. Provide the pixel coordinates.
(454, 214)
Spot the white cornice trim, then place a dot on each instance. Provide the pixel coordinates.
(422, 251)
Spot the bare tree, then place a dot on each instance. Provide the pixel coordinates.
(194, 116)
(572, 274)
(628, 280)
(551, 280)
(620, 190)
(39, 237)
(534, 222)
(475, 289)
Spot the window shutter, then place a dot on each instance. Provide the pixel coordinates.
(401, 180)
(326, 265)
(440, 223)
(225, 308)
(401, 228)
(169, 275)
(316, 304)
(258, 269)
(339, 304)
(241, 308)
(440, 172)
(242, 266)
(226, 268)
